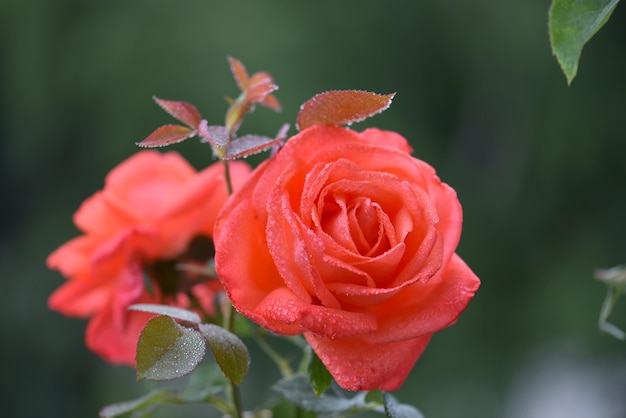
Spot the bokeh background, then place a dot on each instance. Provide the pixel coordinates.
(540, 169)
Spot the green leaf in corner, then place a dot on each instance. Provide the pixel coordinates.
(171, 311)
(572, 23)
(297, 390)
(143, 403)
(167, 350)
(394, 409)
(319, 376)
(231, 354)
(207, 380)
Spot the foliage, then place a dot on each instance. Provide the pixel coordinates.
(572, 23)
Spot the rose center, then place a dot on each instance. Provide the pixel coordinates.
(358, 224)
(367, 230)
(179, 275)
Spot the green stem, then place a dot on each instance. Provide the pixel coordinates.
(219, 404)
(236, 396)
(612, 296)
(229, 183)
(229, 320)
(281, 362)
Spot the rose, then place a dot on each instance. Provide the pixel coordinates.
(155, 211)
(345, 237)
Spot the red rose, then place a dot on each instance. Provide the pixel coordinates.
(155, 211)
(345, 237)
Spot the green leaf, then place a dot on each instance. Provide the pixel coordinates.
(297, 390)
(341, 107)
(393, 409)
(150, 399)
(230, 353)
(205, 381)
(572, 23)
(167, 350)
(171, 311)
(319, 376)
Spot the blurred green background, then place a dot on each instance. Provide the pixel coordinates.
(540, 169)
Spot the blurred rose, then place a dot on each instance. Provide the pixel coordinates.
(155, 212)
(345, 237)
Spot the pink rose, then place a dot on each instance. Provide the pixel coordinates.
(154, 211)
(345, 237)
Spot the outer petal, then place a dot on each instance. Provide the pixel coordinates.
(81, 297)
(242, 258)
(425, 308)
(382, 138)
(282, 312)
(98, 217)
(196, 208)
(357, 364)
(148, 183)
(72, 258)
(116, 344)
(450, 216)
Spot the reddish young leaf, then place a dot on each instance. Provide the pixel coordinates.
(215, 135)
(183, 111)
(261, 77)
(341, 107)
(271, 102)
(249, 145)
(239, 73)
(258, 92)
(282, 134)
(256, 88)
(167, 135)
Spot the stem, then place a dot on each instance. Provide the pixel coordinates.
(229, 183)
(229, 320)
(612, 296)
(230, 315)
(219, 404)
(236, 396)
(281, 362)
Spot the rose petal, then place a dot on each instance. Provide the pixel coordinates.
(148, 181)
(116, 344)
(239, 236)
(286, 312)
(98, 216)
(382, 138)
(356, 364)
(289, 251)
(425, 308)
(80, 298)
